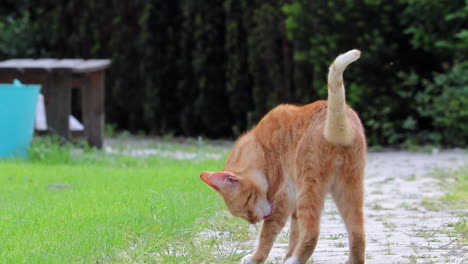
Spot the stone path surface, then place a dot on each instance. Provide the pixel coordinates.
(399, 229)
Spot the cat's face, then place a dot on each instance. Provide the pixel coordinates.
(243, 197)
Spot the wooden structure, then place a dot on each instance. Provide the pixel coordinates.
(57, 77)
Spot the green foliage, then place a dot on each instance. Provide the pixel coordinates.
(444, 101)
(214, 68)
(438, 26)
(18, 36)
(440, 29)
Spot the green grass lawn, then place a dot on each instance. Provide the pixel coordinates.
(63, 205)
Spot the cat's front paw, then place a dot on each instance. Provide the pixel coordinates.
(292, 260)
(248, 260)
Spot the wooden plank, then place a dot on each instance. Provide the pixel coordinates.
(93, 108)
(57, 94)
(28, 64)
(67, 63)
(15, 62)
(76, 65)
(91, 65)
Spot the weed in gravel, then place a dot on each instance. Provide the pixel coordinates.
(388, 247)
(335, 236)
(411, 177)
(389, 226)
(376, 206)
(414, 247)
(461, 226)
(389, 179)
(409, 206)
(423, 232)
(418, 258)
(432, 204)
(458, 230)
(339, 244)
(455, 183)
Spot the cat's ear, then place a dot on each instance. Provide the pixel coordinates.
(219, 180)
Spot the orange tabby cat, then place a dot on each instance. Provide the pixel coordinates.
(284, 167)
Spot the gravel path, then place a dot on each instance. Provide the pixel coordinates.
(399, 229)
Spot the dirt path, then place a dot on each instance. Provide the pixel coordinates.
(399, 228)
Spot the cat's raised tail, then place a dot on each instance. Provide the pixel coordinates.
(337, 127)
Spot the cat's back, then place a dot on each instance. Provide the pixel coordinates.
(287, 115)
(286, 123)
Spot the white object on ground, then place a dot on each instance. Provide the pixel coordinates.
(74, 124)
(40, 122)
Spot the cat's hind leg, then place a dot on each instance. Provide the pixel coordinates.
(293, 235)
(309, 205)
(348, 193)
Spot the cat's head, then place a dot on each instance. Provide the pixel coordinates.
(243, 196)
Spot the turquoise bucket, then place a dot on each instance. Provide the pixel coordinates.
(17, 112)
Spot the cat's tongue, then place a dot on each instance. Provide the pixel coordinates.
(268, 216)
